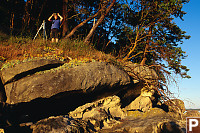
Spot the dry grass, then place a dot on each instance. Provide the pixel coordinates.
(21, 48)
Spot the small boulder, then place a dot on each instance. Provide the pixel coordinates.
(111, 105)
(168, 127)
(106, 111)
(140, 103)
(143, 102)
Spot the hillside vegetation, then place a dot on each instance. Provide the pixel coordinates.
(19, 48)
(141, 32)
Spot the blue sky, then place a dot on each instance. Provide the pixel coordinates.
(189, 89)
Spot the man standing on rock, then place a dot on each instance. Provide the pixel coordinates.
(55, 26)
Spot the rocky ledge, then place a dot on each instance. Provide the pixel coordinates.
(51, 95)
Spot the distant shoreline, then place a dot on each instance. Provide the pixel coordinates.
(193, 109)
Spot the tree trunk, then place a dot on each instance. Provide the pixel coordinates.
(12, 23)
(99, 21)
(82, 23)
(143, 62)
(26, 17)
(65, 16)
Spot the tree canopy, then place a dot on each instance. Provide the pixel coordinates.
(153, 37)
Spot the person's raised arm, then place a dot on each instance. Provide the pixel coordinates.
(61, 18)
(49, 19)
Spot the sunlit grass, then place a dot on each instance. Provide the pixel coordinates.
(19, 48)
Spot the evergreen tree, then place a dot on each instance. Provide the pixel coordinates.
(152, 35)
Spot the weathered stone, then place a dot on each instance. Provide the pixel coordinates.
(140, 103)
(175, 108)
(60, 124)
(178, 104)
(111, 105)
(152, 121)
(169, 127)
(95, 77)
(154, 112)
(140, 72)
(12, 71)
(105, 111)
(147, 91)
(143, 102)
(134, 113)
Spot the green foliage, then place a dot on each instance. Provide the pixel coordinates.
(151, 37)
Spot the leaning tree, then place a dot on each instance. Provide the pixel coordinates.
(152, 38)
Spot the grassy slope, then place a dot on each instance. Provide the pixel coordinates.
(21, 48)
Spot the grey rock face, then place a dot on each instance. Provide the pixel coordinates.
(44, 90)
(87, 78)
(143, 72)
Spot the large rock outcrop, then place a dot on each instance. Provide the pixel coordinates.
(50, 89)
(111, 105)
(53, 96)
(87, 78)
(99, 116)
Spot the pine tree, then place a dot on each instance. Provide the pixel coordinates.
(153, 36)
